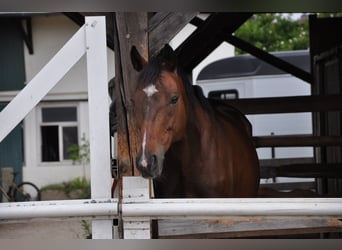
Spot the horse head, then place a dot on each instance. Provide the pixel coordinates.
(159, 103)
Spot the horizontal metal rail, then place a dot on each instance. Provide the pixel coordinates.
(192, 208)
(166, 208)
(66, 209)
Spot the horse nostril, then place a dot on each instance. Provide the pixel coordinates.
(153, 159)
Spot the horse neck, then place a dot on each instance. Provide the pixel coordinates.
(200, 118)
(198, 121)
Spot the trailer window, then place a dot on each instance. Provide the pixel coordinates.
(224, 94)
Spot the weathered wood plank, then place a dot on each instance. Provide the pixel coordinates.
(163, 26)
(303, 171)
(245, 227)
(293, 104)
(123, 150)
(285, 161)
(288, 190)
(296, 141)
(131, 31)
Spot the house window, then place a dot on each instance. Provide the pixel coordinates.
(58, 132)
(224, 94)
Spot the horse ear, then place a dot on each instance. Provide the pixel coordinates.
(137, 60)
(169, 58)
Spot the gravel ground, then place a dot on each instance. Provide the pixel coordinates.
(45, 229)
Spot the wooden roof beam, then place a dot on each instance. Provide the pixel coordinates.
(168, 24)
(226, 35)
(267, 57)
(207, 37)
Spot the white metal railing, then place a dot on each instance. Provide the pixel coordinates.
(213, 208)
(138, 209)
(59, 209)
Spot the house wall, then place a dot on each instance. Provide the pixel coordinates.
(50, 33)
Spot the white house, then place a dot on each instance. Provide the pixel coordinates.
(61, 119)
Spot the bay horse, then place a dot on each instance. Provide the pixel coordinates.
(189, 145)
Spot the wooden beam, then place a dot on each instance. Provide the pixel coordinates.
(207, 37)
(293, 190)
(303, 171)
(196, 21)
(128, 31)
(245, 227)
(296, 141)
(324, 33)
(271, 59)
(285, 161)
(124, 161)
(163, 26)
(27, 34)
(76, 17)
(291, 104)
(131, 31)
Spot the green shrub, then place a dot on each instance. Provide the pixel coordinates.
(67, 187)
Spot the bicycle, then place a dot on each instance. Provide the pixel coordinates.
(25, 191)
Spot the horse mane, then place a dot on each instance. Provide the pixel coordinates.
(151, 72)
(213, 106)
(193, 91)
(232, 112)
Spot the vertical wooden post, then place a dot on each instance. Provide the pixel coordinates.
(326, 57)
(130, 30)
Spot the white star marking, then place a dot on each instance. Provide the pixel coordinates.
(150, 90)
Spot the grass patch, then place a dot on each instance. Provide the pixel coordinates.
(81, 184)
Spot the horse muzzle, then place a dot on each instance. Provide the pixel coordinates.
(148, 166)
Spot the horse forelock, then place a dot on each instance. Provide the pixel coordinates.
(150, 74)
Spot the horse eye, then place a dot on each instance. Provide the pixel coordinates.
(174, 99)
